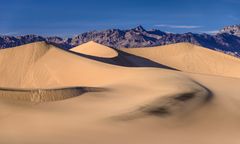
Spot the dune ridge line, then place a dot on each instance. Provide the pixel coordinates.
(44, 95)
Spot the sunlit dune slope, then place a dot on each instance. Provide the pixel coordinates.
(191, 58)
(95, 49)
(42, 65)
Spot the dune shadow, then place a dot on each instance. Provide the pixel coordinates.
(178, 103)
(171, 105)
(44, 95)
(125, 59)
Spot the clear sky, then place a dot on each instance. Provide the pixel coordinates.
(70, 17)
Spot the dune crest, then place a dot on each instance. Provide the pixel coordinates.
(94, 49)
(43, 95)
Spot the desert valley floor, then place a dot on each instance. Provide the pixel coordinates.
(92, 94)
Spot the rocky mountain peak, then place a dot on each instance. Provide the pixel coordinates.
(139, 28)
(233, 30)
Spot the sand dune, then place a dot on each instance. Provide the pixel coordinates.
(40, 65)
(98, 52)
(95, 49)
(75, 99)
(191, 58)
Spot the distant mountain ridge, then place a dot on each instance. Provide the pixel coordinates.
(227, 40)
(234, 30)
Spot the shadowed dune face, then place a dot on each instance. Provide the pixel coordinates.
(43, 95)
(185, 100)
(120, 58)
(191, 58)
(178, 103)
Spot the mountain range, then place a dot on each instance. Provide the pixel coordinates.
(227, 40)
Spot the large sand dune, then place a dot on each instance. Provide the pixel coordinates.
(191, 58)
(49, 95)
(98, 52)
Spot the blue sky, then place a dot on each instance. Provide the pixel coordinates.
(70, 17)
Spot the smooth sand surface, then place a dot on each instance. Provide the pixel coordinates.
(191, 58)
(95, 49)
(52, 96)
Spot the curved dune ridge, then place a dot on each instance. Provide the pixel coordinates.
(180, 102)
(43, 95)
(191, 58)
(190, 97)
(153, 104)
(94, 49)
(98, 52)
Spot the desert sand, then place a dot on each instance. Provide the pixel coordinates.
(52, 96)
(191, 58)
(94, 49)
